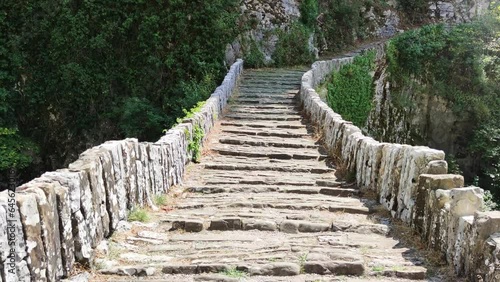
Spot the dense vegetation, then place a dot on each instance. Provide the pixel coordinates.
(461, 64)
(76, 73)
(350, 90)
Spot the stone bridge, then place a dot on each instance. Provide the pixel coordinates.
(270, 200)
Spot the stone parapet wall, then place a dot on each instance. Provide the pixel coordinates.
(412, 183)
(61, 217)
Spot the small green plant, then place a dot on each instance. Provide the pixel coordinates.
(234, 273)
(453, 167)
(489, 202)
(161, 200)
(378, 268)
(113, 251)
(138, 214)
(195, 143)
(302, 262)
(191, 112)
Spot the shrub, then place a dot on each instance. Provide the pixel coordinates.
(292, 48)
(351, 89)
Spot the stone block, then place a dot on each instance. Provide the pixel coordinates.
(437, 167)
(466, 201)
(30, 217)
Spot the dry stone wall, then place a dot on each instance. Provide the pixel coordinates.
(61, 217)
(412, 183)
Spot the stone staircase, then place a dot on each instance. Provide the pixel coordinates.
(264, 204)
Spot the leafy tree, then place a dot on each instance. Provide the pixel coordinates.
(75, 73)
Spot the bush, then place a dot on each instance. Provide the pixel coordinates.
(309, 13)
(415, 10)
(253, 57)
(292, 48)
(341, 22)
(351, 89)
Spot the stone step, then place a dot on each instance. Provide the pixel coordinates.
(330, 191)
(247, 81)
(267, 152)
(271, 95)
(218, 177)
(222, 223)
(255, 116)
(264, 101)
(265, 107)
(218, 166)
(274, 132)
(331, 204)
(211, 251)
(278, 93)
(251, 90)
(267, 141)
(340, 221)
(264, 112)
(288, 76)
(267, 124)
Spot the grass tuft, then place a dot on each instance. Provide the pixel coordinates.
(138, 214)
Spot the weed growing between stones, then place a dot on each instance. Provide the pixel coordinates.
(138, 214)
(194, 145)
(302, 262)
(160, 200)
(234, 273)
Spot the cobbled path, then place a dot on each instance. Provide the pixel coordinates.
(264, 204)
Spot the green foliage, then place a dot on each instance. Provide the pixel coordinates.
(15, 151)
(453, 167)
(76, 73)
(302, 262)
(195, 143)
(309, 13)
(486, 144)
(161, 200)
(342, 22)
(460, 64)
(489, 202)
(415, 10)
(233, 272)
(138, 214)
(292, 47)
(189, 114)
(253, 57)
(351, 89)
(140, 118)
(447, 61)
